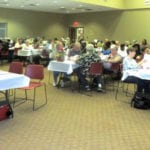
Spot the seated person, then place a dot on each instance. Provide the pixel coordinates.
(122, 51)
(138, 55)
(55, 54)
(74, 53)
(27, 46)
(129, 63)
(113, 57)
(146, 58)
(106, 48)
(43, 52)
(85, 61)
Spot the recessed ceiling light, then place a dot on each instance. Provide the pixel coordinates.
(37, 4)
(22, 6)
(55, 1)
(62, 7)
(80, 5)
(147, 2)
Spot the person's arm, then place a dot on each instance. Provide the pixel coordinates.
(140, 63)
(115, 60)
(74, 58)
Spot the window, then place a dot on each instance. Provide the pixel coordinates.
(3, 30)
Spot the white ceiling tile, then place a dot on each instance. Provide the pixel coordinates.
(52, 6)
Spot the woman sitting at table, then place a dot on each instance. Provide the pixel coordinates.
(74, 52)
(113, 57)
(58, 49)
(146, 58)
(129, 63)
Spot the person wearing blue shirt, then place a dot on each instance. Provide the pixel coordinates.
(129, 63)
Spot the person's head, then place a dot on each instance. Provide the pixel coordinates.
(27, 42)
(147, 50)
(76, 46)
(20, 41)
(59, 46)
(131, 52)
(137, 47)
(122, 47)
(106, 45)
(90, 48)
(144, 42)
(113, 42)
(114, 50)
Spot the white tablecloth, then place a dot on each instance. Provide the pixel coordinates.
(11, 80)
(29, 52)
(66, 66)
(140, 73)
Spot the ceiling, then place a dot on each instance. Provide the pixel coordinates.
(55, 6)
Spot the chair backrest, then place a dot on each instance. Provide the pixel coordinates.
(121, 68)
(16, 51)
(115, 67)
(96, 69)
(16, 67)
(35, 71)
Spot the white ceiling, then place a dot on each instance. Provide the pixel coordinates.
(56, 6)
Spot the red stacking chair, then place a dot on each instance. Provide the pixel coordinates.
(16, 67)
(36, 74)
(96, 69)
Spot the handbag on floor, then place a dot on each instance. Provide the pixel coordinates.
(141, 101)
(5, 110)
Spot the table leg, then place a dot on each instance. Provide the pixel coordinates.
(60, 79)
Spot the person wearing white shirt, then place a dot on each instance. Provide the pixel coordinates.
(146, 59)
(28, 47)
(122, 50)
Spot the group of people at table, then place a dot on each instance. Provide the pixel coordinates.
(131, 57)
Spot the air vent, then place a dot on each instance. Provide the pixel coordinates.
(32, 5)
(88, 9)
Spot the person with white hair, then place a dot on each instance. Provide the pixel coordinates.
(113, 57)
(85, 62)
(74, 52)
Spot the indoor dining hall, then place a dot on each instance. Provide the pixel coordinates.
(74, 75)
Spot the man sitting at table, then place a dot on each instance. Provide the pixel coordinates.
(129, 63)
(85, 62)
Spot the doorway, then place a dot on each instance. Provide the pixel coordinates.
(76, 34)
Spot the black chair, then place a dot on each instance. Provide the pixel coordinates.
(122, 84)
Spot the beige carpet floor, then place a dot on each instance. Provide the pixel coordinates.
(75, 121)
